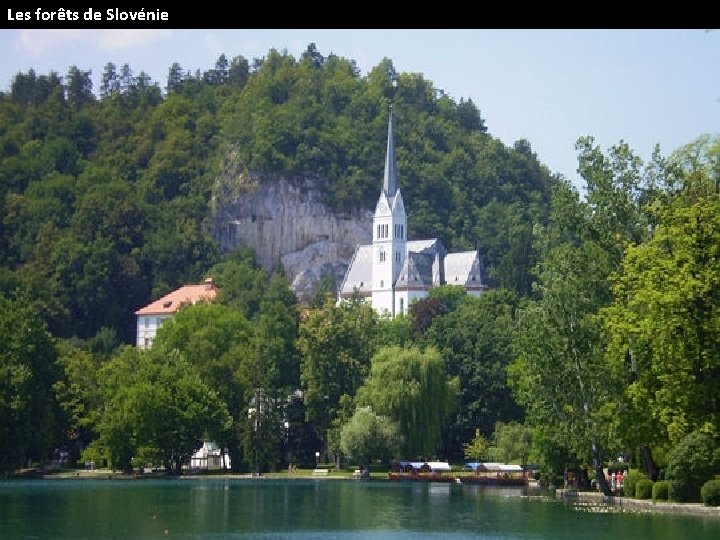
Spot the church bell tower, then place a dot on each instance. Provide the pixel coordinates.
(389, 234)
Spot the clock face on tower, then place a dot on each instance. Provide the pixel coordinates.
(382, 207)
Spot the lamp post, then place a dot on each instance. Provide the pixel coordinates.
(286, 425)
(317, 459)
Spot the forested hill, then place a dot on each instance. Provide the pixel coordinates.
(104, 191)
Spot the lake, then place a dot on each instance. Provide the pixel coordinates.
(220, 509)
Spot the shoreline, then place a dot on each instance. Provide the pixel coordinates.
(593, 501)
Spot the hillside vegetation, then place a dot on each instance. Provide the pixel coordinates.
(104, 191)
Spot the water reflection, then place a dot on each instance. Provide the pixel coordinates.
(297, 509)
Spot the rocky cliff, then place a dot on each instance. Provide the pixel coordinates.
(286, 221)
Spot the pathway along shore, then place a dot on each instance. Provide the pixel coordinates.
(593, 501)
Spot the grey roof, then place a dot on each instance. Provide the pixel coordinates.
(417, 271)
(464, 268)
(359, 272)
(426, 265)
(432, 245)
(390, 184)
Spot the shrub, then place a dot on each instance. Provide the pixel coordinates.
(631, 480)
(643, 489)
(692, 463)
(660, 491)
(710, 493)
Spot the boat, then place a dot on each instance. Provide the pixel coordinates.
(495, 474)
(421, 471)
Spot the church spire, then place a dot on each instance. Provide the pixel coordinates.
(390, 185)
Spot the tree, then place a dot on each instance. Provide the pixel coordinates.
(126, 81)
(78, 392)
(155, 404)
(238, 72)
(394, 331)
(79, 88)
(411, 387)
(694, 461)
(28, 420)
(558, 374)
(368, 437)
(477, 448)
(423, 312)
(336, 344)
(475, 341)
(174, 409)
(242, 283)
(511, 441)
(660, 326)
(277, 333)
(110, 83)
(174, 79)
(216, 340)
(272, 373)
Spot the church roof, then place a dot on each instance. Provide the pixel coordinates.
(432, 245)
(390, 184)
(464, 268)
(359, 272)
(417, 271)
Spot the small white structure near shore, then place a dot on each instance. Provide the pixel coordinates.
(210, 457)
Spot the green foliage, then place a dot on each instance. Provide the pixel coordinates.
(660, 490)
(631, 481)
(450, 295)
(477, 448)
(155, 403)
(241, 282)
(618, 466)
(78, 391)
(368, 437)
(661, 324)
(411, 387)
(123, 182)
(475, 340)
(511, 442)
(28, 421)
(394, 331)
(644, 489)
(336, 344)
(710, 493)
(692, 462)
(217, 341)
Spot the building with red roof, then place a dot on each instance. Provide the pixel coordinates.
(151, 317)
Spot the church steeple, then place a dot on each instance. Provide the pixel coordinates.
(390, 184)
(389, 235)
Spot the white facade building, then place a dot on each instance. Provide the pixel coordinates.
(151, 317)
(393, 272)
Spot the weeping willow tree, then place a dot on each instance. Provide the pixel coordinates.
(411, 387)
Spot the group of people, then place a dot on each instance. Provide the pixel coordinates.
(580, 479)
(615, 480)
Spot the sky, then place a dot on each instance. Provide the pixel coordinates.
(644, 86)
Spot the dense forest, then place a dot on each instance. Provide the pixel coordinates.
(599, 337)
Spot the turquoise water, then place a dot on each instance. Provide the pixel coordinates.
(220, 509)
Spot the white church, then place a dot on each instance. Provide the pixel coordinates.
(393, 271)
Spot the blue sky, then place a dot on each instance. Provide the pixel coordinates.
(645, 86)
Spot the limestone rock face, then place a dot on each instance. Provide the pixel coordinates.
(286, 222)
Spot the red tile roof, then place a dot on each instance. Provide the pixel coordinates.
(187, 294)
